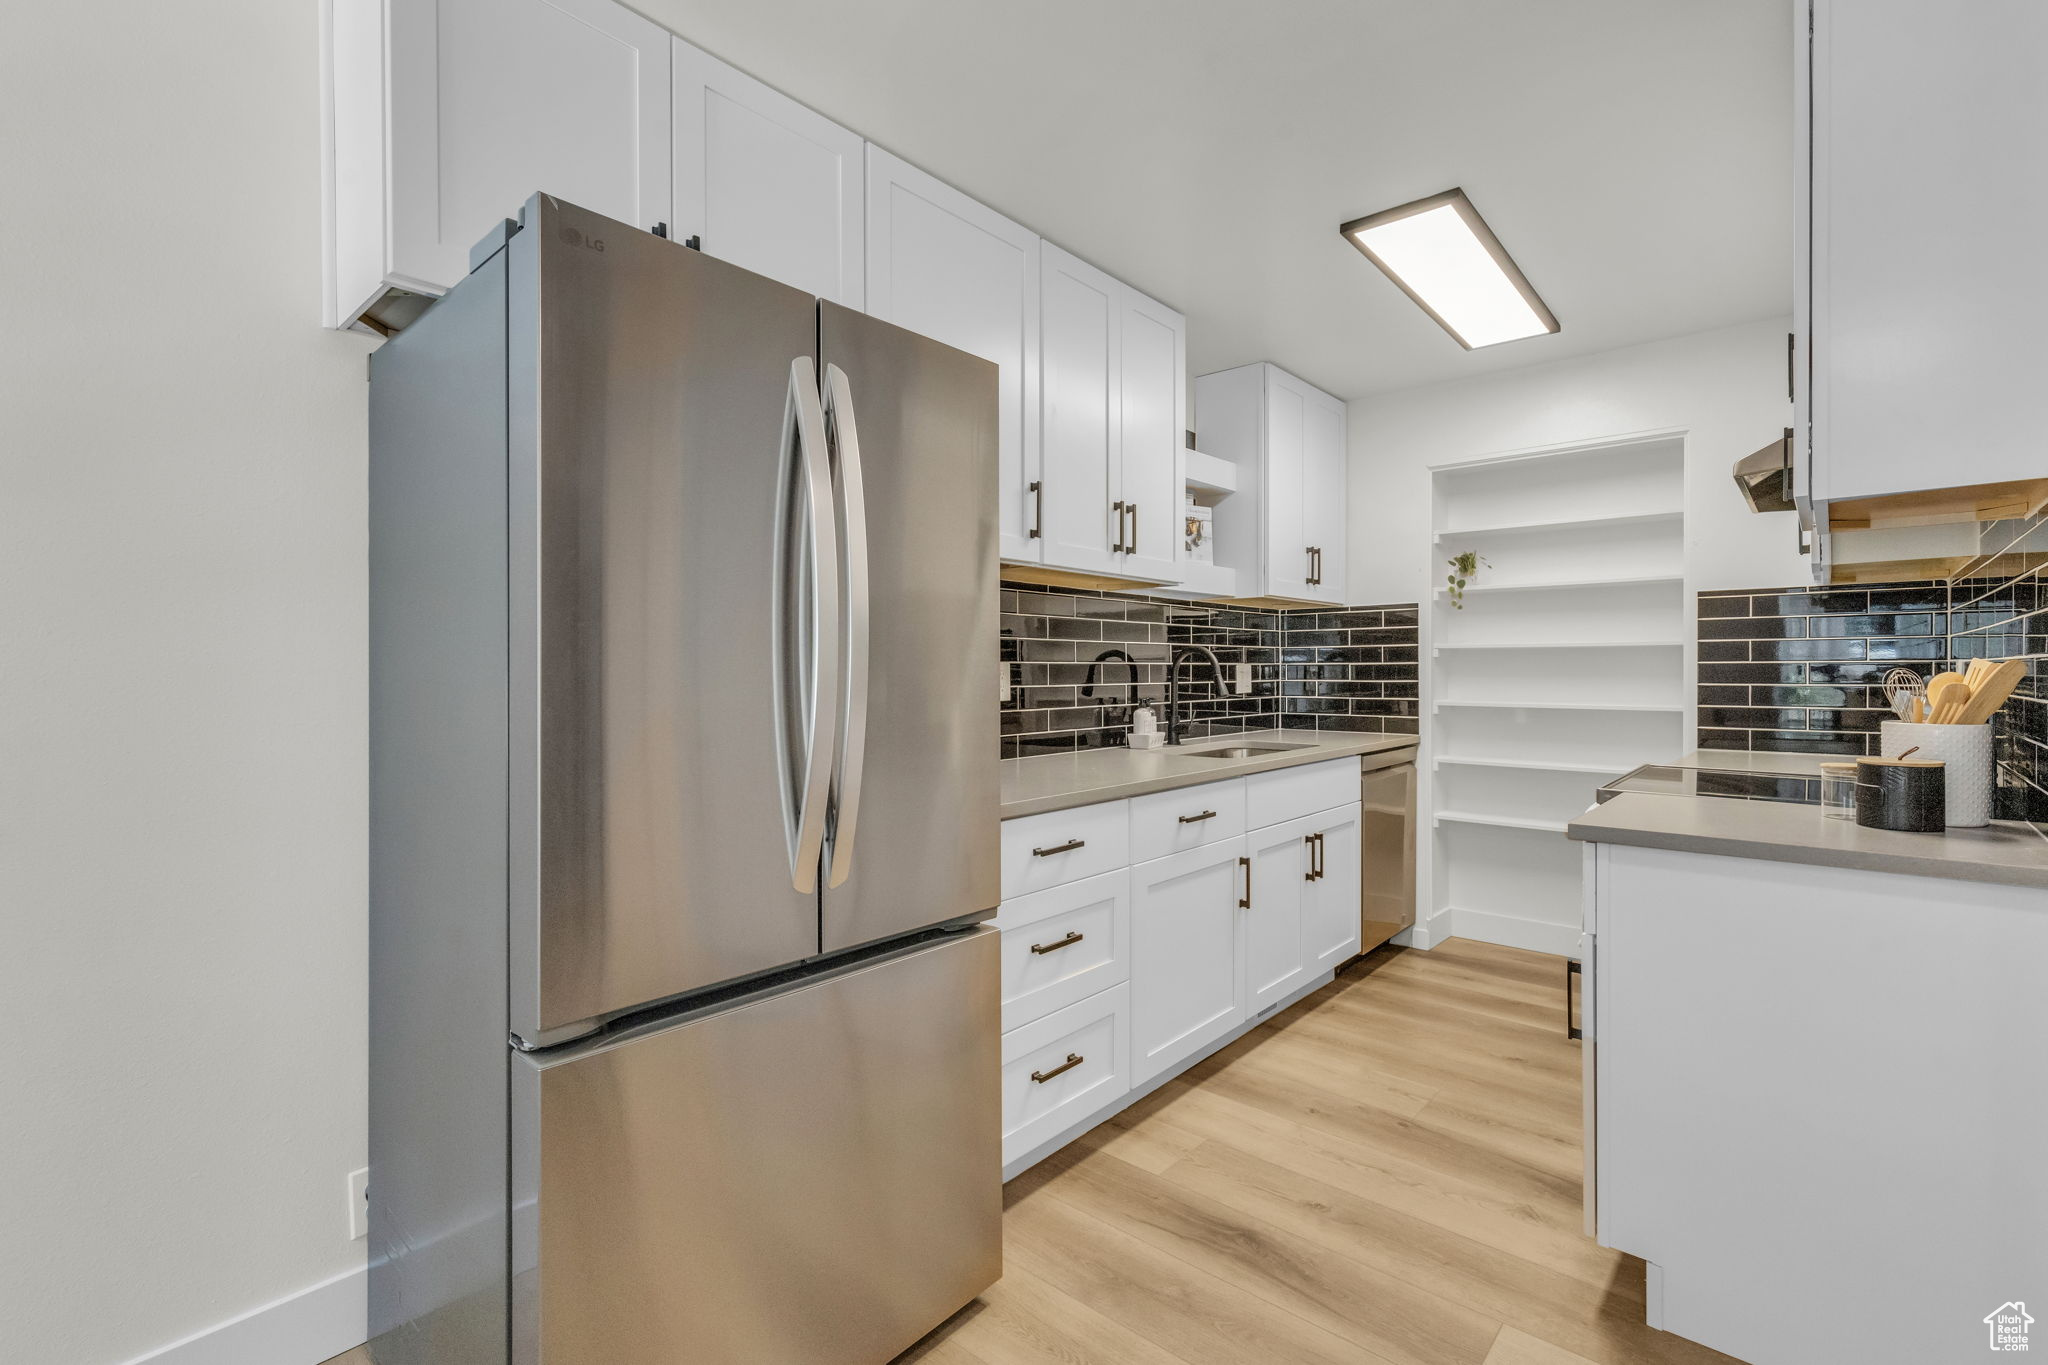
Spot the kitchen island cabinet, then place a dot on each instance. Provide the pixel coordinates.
(1816, 1093)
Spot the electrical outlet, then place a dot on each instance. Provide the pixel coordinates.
(358, 1205)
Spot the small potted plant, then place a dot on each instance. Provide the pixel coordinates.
(1464, 568)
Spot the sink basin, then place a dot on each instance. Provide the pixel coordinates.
(1242, 751)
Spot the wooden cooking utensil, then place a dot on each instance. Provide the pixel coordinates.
(1940, 678)
(1948, 700)
(1995, 685)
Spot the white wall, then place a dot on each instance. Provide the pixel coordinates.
(182, 644)
(1725, 388)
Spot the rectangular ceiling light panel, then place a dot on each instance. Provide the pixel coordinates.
(1442, 255)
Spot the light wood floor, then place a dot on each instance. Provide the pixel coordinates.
(1387, 1174)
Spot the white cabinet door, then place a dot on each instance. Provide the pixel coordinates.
(1330, 904)
(1153, 377)
(1929, 134)
(1080, 310)
(1187, 950)
(1286, 483)
(1324, 482)
(1276, 941)
(959, 272)
(487, 102)
(765, 183)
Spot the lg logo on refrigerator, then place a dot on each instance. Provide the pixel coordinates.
(574, 238)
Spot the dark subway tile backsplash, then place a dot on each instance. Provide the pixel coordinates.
(1812, 662)
(1314, 668)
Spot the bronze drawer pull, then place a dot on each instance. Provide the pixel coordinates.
(1315, 856)
(1074, 1059)
(1073, 936)
(1246, 864)
(1197, 819)
(1068, 847)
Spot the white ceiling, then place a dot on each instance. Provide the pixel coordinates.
(1634, 156)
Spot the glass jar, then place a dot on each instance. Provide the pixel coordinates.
(1838, 790)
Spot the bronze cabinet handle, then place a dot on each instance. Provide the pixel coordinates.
(1308, 841)
(1038, 509)
(1074, 1059)
(1246, 864)
(1320, 869)
(1073, 936)
(1118, 508)
(1197, 819)
(1068, 847)
(1132, 548)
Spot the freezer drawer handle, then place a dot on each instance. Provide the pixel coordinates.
(1074, 1059)
(1197, 819)
(1073, 936)
(1068, 847)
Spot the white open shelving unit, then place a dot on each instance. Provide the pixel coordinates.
(1567, 665)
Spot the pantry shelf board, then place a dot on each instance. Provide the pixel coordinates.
(1562, 583)
(1575, 524)
(1466, 817)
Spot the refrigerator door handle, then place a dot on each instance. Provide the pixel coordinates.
(807, 665)
(843, 432)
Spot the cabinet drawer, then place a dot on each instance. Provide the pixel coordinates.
(1062, 946)
(1188, 817)
(1064, 846)
(1064, 1067)
(1294, 792)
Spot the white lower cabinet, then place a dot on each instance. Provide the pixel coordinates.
(1141, 970)
(1059, 1069)
(1187, 947)
(1062, 946)
(1276, 939)
(1330, 899)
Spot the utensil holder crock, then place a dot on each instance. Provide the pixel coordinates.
(1963, 750)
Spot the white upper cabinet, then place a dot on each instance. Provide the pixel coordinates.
(449, 114)
(1081, 356)
(1283, 530)
(765, 183)
(1113, 393)
(1928, 134)
(959, 272)
(1153, 385)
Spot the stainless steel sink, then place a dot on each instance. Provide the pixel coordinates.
(1244, 750)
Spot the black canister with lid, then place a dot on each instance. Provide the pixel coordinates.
(1905, 794)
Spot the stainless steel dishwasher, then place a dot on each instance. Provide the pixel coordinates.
(1386, 835)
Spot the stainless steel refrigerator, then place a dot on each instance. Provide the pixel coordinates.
(683, 1027)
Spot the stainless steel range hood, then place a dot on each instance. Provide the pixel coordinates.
(1765, 477)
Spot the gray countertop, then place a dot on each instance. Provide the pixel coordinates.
(2004, 852)
(1061, 781)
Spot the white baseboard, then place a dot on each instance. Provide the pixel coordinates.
(1426, 932)
(1512, 931)
(306, 1328)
